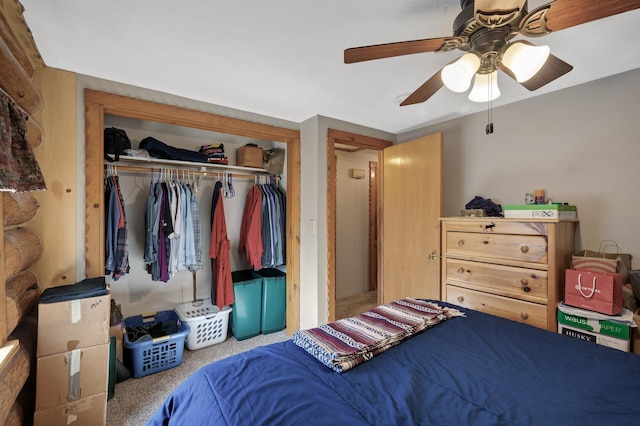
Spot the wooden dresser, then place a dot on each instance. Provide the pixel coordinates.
(513, 268)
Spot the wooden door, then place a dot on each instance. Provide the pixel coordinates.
(411, 211)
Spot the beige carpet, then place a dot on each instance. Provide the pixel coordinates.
(356, 304)
(135, 400)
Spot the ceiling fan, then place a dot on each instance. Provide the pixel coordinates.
(484, 29)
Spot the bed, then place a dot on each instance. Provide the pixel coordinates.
(473, 370)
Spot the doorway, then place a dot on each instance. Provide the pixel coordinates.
(346, 144)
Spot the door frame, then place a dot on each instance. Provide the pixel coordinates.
(97, 104)
(359, 141)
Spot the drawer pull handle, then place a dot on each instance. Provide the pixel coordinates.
(461, 271)
(460, 243)
(525, 285)
(460, 299)
(524, 315)
(524, 249)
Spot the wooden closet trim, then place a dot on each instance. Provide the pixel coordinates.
(351, 139)
(97, 104)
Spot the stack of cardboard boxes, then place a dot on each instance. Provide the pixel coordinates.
(607, 330)
(72, 361)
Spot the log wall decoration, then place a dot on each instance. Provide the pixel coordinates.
(22, 247)
(19, 290)
(12, 378)
(18, 208)
(23, 294)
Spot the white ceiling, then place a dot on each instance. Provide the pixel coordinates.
(284, 58)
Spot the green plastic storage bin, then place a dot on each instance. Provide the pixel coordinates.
(274, 300)
(245, 316)
(112, 367)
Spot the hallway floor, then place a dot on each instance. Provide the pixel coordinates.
(356, 304)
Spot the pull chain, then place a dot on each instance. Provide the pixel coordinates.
(489, 128)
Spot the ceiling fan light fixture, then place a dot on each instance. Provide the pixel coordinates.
(485, 88)
(524, 59)
(457, 75)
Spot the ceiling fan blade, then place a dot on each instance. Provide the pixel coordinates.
(388, 50)
(552, 69)
(496, 13)
(424, 92)
(560, 14)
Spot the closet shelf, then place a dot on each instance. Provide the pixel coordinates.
(201, 169)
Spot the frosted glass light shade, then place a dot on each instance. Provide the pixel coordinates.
(457, 76)
(524, 59)
(485, 88)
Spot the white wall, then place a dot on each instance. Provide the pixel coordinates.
(314, 187)
(310, 298)
(352, 224)
(582, 145)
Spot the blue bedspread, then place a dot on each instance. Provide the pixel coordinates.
(479, 370)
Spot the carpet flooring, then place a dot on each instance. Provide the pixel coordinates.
(353, 305)
(135, 400)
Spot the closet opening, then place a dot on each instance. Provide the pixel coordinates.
(177, 126)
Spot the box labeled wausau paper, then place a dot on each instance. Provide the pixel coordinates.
(540, 211)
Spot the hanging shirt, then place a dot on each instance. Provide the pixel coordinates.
(112, 219)
(197, 234)
(219, 249)
(251, 228)
(122, 246)
(267, 253)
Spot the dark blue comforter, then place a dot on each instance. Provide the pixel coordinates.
(479, 370)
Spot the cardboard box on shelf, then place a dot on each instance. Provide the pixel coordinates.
(74, 324)
(71, 376)
(249, 156)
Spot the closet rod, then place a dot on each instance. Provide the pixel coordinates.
(208, 173)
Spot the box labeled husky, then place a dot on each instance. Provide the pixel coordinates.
(612, 331)
(541, 211)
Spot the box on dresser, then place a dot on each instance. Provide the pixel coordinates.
(513, 268)
(541, 211)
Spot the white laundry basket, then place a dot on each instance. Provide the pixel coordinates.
(207, 322)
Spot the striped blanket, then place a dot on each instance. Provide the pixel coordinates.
(347, 343)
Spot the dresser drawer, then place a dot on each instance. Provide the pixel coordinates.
(524, 248)
(497, 226)
(519, 283)
(517, 310)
